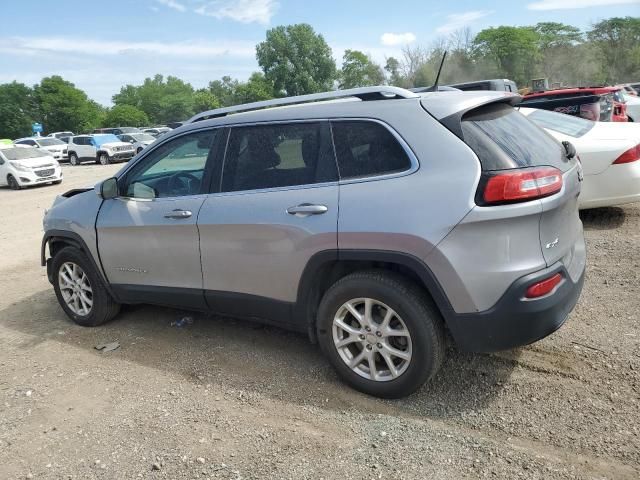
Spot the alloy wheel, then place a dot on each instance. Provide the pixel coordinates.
(75, 288)
(372, 339)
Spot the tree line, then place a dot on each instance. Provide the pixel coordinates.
(296, 60)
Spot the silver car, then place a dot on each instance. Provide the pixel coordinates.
(372, 223)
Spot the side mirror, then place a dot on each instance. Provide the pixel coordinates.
(569, 149)
(109, 188)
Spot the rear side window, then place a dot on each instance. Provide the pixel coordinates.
(278, 155)
(365, 148)
(503, 138)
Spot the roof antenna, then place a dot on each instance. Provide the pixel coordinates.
(434, 87)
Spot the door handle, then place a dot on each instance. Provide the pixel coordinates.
(306, 209)
(178, 214)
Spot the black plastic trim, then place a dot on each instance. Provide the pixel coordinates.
(190, 298)
(515, 320)
(77, 241)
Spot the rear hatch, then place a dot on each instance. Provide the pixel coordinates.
(514, 151)
(505, 140)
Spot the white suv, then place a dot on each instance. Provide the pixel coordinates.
(23, 166)
(102, 148)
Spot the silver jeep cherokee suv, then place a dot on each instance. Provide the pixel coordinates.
(373, 223)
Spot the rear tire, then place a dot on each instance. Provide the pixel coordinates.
(80, 290)
(73, 160)
(13, 183)
(413, 340)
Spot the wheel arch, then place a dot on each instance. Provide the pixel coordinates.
(59, 239)
(327, 267)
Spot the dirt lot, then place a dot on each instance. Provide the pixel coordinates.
(229, 399)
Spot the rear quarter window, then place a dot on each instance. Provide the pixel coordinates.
(366, 148)
(503, 138)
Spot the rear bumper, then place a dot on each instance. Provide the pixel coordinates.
(515, 321)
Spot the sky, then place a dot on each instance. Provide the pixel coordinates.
(101, 46)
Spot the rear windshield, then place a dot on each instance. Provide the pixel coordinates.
(559, 122)
(503, 138)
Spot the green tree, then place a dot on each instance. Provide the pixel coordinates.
(617, 42)
(125, 116)
(256, 89)
(204, 100)
(17, 110)
(393, 67)
(62, 106)
(224, 90)
(558, 46)
(514, 51)
(359, 70)
(296, 60)
(162, 100)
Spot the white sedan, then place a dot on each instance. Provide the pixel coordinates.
(609, 153)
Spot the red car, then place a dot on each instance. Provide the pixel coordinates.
(610, 108)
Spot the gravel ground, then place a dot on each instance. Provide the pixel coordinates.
(229, 399)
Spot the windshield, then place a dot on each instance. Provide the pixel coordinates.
(573, 126)
(129, 130)
(47, 142)
(106, 138)
(21, 153)
(143, 137)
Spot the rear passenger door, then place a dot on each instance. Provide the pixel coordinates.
(277, 206)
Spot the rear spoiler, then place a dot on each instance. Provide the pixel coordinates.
(553, 103)
(449, 108)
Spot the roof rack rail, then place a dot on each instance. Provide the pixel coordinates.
(363, 93)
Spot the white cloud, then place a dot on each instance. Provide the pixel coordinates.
(244, 11)
(100, 48)
(395, 39)
(456, 21)
(173, 4)
(572, 4)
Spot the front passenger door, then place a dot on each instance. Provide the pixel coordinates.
(148, 238)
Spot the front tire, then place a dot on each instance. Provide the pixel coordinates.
(382, 334)
(73, 160)
(103, 159)
(139, 150)
(13, 183)
(80, 290)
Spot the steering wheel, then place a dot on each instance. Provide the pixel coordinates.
(182, 183)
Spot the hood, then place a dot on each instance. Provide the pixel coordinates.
(46, 161)
(116, 144)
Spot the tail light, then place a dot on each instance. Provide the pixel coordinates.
(520, 185)
(631, 155)
(544, 287)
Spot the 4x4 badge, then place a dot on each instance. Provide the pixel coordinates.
(552, 244)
